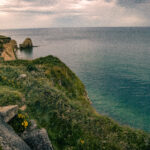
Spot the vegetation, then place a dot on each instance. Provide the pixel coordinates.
(20, 123)
(57, 99)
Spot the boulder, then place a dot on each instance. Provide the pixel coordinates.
(22, 76)
(8, 112)
(37, 139)
(9, 140)
(26, 44)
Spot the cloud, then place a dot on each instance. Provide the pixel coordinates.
(73, 13)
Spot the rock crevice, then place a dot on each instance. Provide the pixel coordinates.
(31, 139)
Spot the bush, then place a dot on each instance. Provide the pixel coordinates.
(31, 67)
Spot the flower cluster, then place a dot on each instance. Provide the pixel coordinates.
(82, 141)
(20, 123)
(25, 123)
(21, 116)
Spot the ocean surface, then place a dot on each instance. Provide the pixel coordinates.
(113, 63)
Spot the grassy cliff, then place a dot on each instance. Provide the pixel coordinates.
(57, 99)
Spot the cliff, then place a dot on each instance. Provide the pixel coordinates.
(7, 48)
(54, 96)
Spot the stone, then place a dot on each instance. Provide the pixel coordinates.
(33, 125)
(37, 139)
(22, 76)
(8, 112)
(9, 140)
(26, 44)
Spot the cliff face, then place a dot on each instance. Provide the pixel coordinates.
(7, 48)
(9, 51)
(56, 98)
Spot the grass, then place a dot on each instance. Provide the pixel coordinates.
(3, 37)
(57, 99)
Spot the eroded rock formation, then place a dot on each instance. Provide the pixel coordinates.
(26, 44)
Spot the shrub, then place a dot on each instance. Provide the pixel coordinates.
(31, 67)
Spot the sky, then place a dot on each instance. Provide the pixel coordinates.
(73, 13)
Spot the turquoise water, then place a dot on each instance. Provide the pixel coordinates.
(113, 63)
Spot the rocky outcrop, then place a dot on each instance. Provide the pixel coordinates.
(14, 44)
(32, 138)
(8, 112)
(9, 140)
(26, 44)
(9, 51)
(3, 40)
(37, 139)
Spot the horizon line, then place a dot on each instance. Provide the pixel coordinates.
(75, 27)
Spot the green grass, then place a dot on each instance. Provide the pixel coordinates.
(0, 147)
(57, 99)
(3, 37)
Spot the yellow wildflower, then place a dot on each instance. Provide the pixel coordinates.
(21, 116)
(25, 123)
(82, 141)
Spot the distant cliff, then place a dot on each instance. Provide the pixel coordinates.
(50, 93)
(7, 48)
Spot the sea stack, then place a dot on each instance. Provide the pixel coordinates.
(26, 44)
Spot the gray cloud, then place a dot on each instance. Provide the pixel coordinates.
(132, 3)
(51, 13)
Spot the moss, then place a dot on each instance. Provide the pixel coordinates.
(57, 99)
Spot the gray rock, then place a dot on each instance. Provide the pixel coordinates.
(37, 139)
(22, 76)
(33, 125)
(8, 112)
(9, 140)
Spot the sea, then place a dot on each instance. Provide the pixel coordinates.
(113, 63)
